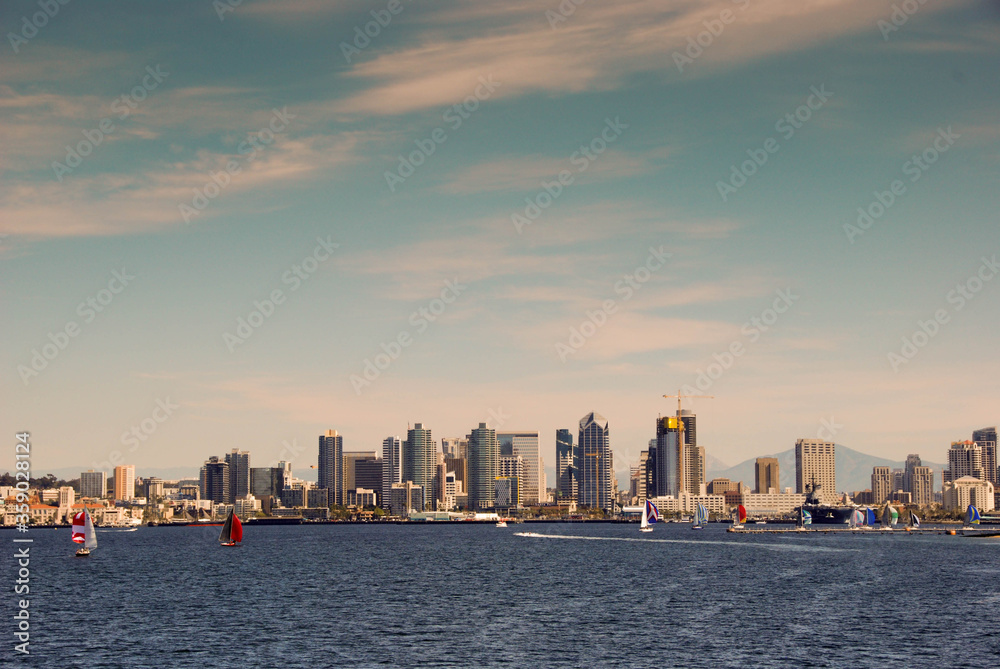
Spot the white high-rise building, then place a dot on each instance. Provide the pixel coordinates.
(392, 467)
(815, 465)
(525, 444)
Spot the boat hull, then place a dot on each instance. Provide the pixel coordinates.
(830, 515)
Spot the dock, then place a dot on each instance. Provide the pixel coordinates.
(955, 531)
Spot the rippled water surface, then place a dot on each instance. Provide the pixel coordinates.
(479, 596)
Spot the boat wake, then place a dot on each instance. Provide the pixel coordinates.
(774, 547)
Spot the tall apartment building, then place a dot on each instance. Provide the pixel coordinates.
(215, 480)
(267, 482)
(420, 461)
(765, 476)
(594, 488)
(921, 486)
(125, 482)
(815, 464)
(525, 445)
(350, 467)
(93, 484)
(484, 461)
(987, 439)
(882, 484)
(455, 447)
(566, 466)
(239, 474)
(965, 458)
(392, 467)
(512, 469)
(331, 466)
(676, 463)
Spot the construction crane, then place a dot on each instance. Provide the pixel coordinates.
(679, 396)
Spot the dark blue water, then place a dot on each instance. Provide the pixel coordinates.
(479, 596)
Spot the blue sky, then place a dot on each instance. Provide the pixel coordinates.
(496, 347)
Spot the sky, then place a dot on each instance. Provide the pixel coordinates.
(236, 225)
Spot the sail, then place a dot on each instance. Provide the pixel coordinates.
(972, 515)
(702, 515)
(887, 514)
(857, 518)
(90, 536)
(644, 523)
(651, 513)
(870, 516)
(807, 517)
(914, 520)
(237, 534)
(227, 530)
(894, 515)
(79, 528)
(741, 514)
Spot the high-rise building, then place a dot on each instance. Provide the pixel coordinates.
(125, 482)
(595, 476)
(350, 458)
(512, 467)
(815, 465)
(368, 475)
(987, 439)
(420, 461)
(239, 474)
(459, 467)
(267, 482)
(392, 467)
(215, 480)
(959, 493)
(922, 486)
(525, 444)
(676, 465)
(965, 458)
(455, 447)
(153, 489)
(882, 484)
(404, 498)
(766, 476)
(566, 466)
(331, 466)
(484, 461)
(93, 484)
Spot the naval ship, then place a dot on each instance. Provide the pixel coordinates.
(823, 514)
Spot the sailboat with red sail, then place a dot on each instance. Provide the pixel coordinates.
(232, 531)
(83, 533)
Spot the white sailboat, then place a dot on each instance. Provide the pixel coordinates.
(83, 533)
(650, 514)
(701, 517)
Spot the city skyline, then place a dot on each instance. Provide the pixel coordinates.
(465, 215)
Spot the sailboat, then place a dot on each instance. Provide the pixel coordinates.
(700, 517)
(650, 514)
(857, 519)
(869, 517)
(914, 521)
(805, 518)
(232, 531)
(971, 516)
(83, 533)
(889, 516)
(741, 517)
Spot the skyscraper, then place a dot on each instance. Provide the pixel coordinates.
(93, 484)
(525, 444)
(484, 461)
(987, 439)
(420, 461)
(512, 469)
(922, 486)
(215, 480)
(882, 484)
(766, 476)
(965, 458)
(594, 485)
(566, 465)
(125, 482)
(815, 464)
(455, 447)
(239, 474)
(676, 464)
(392, 468)
(350, 460)
(331, 466)
(267, 481)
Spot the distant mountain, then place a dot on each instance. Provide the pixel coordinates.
(854, 469)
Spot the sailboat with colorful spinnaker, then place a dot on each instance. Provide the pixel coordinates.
(83, 533)
(869, 517)
(857, 519)
(971, 516)
(232, 530)
(700, 517)
(650, 514)
(889, 516)
(805, 518)
(739, 517)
